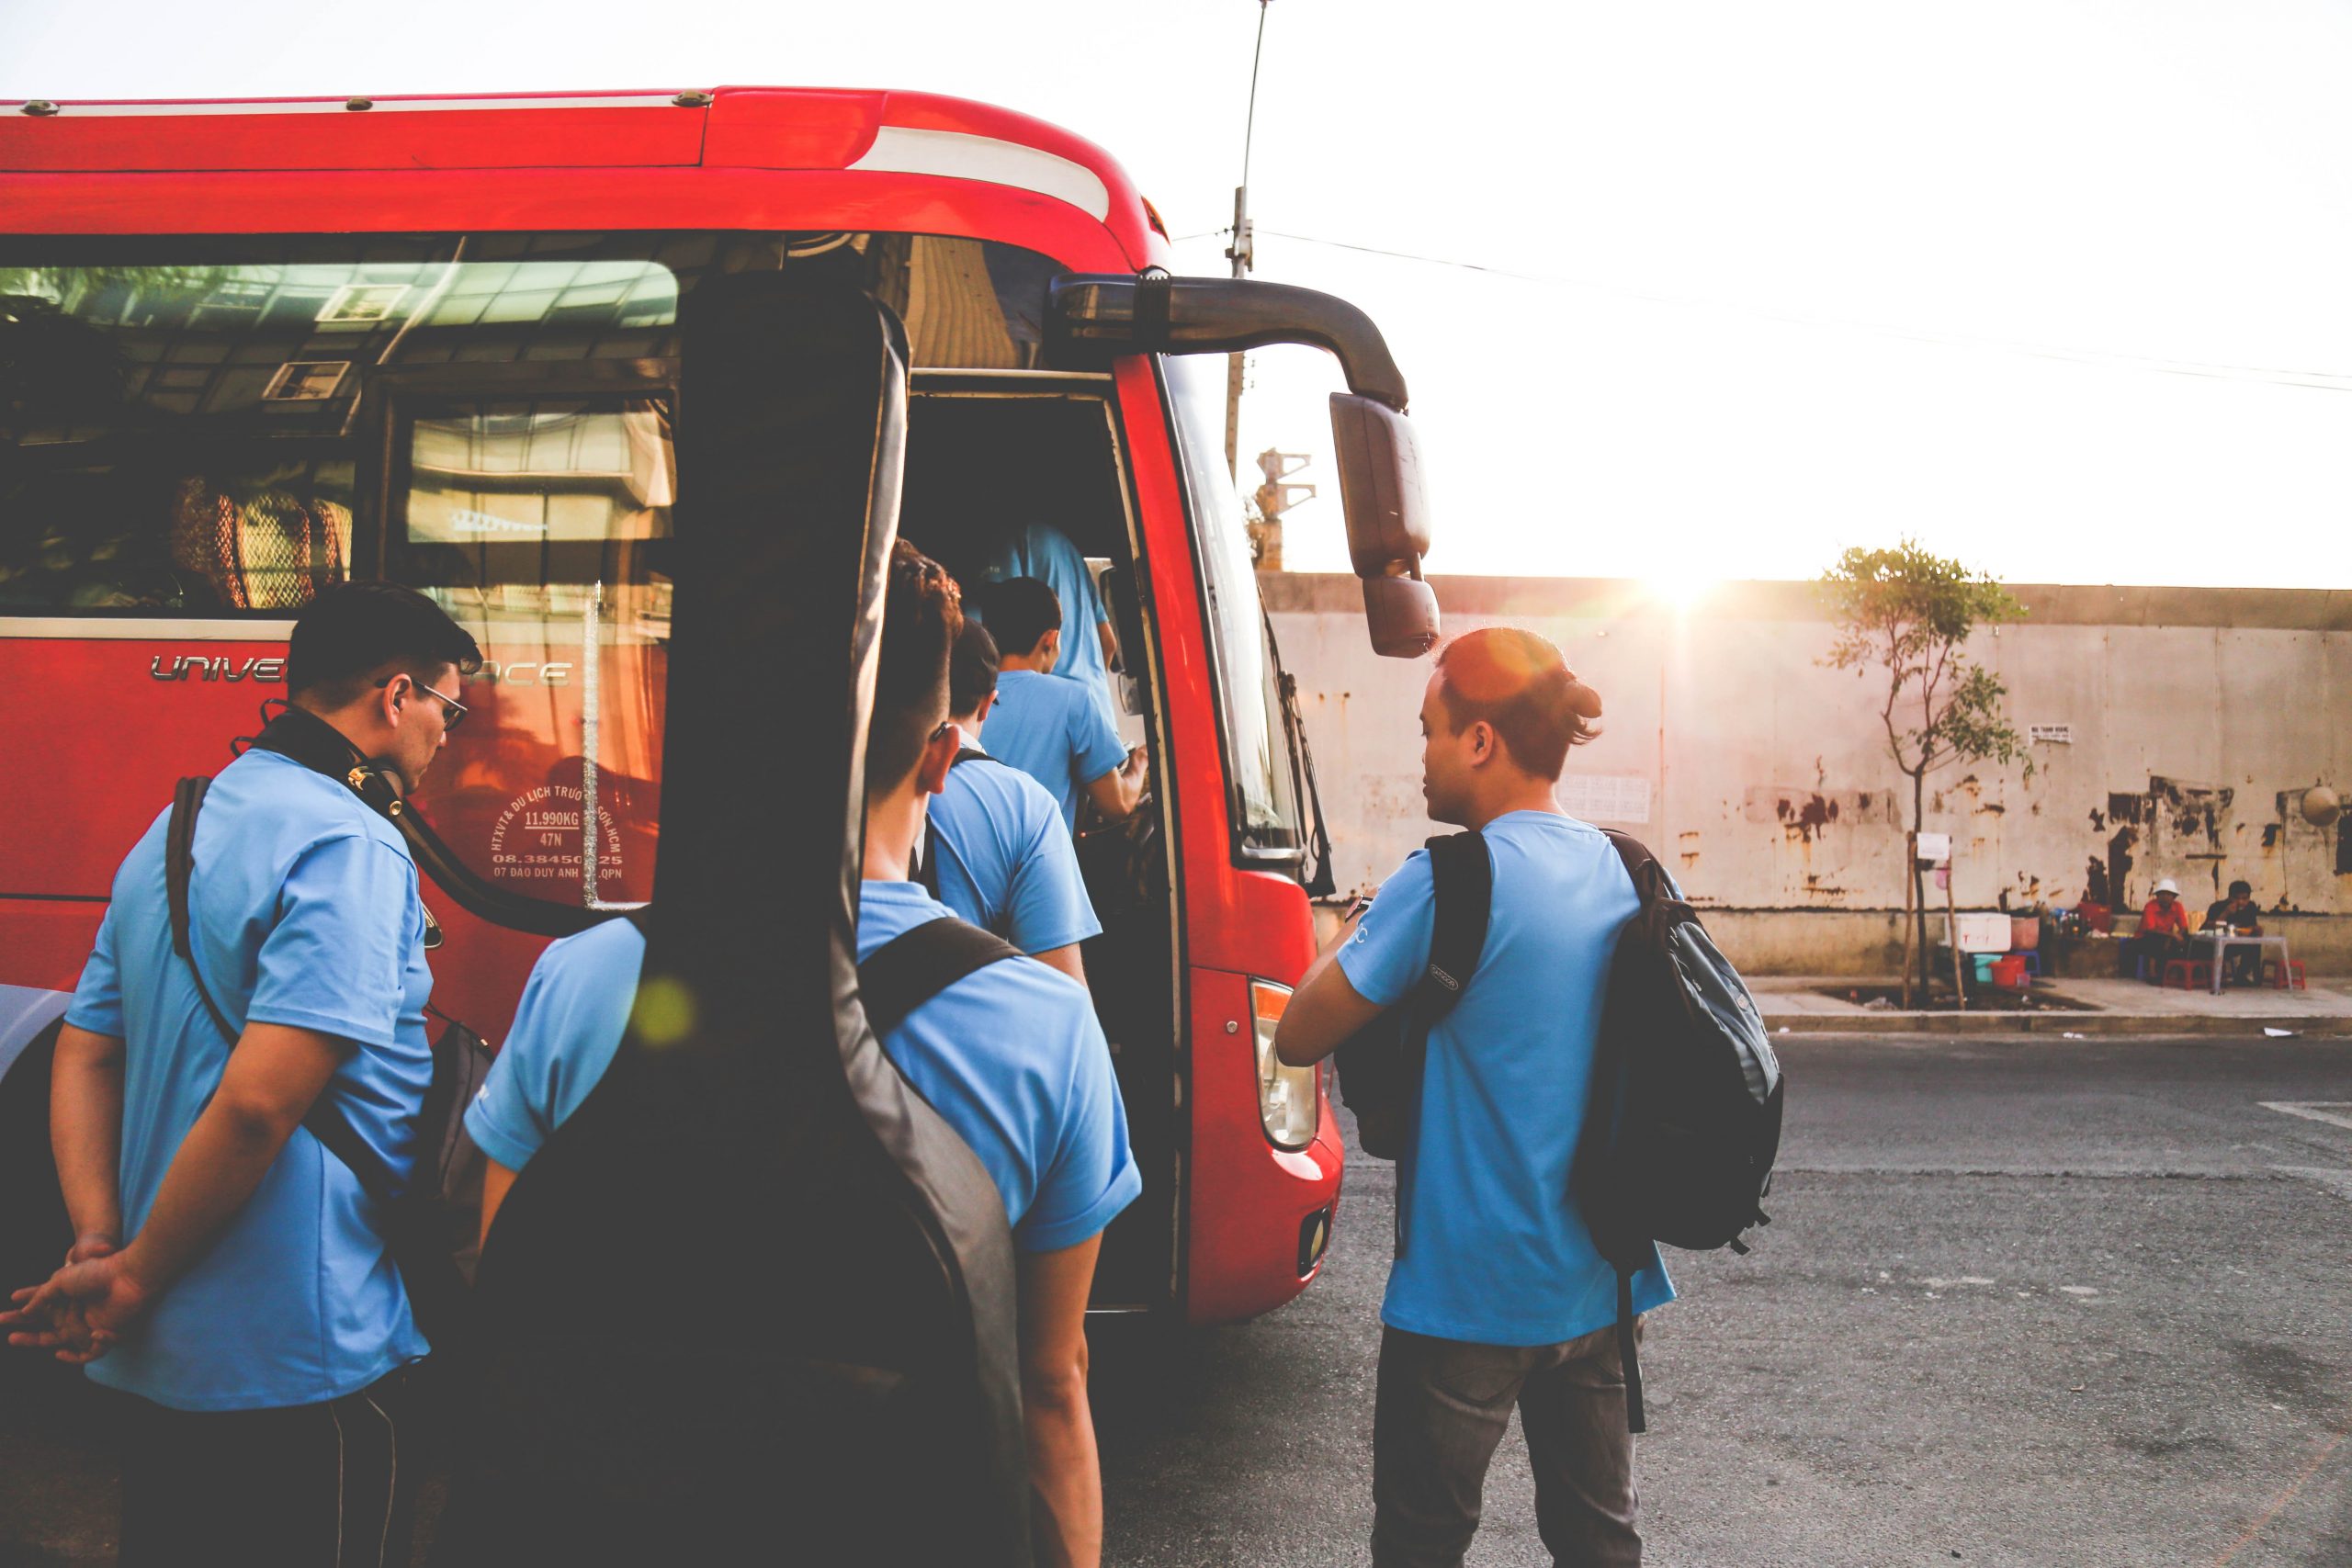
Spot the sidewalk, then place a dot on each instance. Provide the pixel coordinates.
(1796, 1005)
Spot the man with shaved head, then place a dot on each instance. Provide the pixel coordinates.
(1499, 1296)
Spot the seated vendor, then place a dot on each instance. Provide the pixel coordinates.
(2237, 913)
(2164, 929)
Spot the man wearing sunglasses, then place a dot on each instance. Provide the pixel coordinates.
(228, 1269)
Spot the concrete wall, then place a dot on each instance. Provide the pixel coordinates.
(2197, 719)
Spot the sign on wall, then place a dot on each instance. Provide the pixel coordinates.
(1606, 797)
(2051, 734)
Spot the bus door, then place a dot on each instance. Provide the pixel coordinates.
(987, 452)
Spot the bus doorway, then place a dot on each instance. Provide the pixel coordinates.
(987, 454)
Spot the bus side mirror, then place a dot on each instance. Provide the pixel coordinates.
(1387, 522)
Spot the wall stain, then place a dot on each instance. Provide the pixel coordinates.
(2118, 864)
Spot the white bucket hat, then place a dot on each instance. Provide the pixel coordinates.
(2166, 885)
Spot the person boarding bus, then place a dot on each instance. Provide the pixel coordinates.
(1049, 728)
(1011, 1056)
(996, 851)
(1043, 551)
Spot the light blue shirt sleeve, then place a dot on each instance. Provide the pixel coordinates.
(1046, 905)
(1391, 947)
(1095, 748)
(1093, 1173)
(574, 1011)
(97, 1000)
(336, 960)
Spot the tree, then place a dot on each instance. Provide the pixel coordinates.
(1909, 613)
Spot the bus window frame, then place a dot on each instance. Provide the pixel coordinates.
(391, 394)
(1290, 858)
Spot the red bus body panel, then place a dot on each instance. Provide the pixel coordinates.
(749, 159)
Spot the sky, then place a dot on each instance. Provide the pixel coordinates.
(2057, 287)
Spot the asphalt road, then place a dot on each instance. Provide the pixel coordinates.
(2031, 1302)
(2057, 1302)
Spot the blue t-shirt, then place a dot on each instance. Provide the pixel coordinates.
(1004, 860)
(1495, 1252)
(1049, 730)
(1045, 552)
(1009, 1057)
(303, 911)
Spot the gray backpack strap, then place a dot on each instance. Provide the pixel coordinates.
(916, 965)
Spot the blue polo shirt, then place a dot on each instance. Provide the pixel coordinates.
(1049, 729)
(1045, 552)
(303, 911)
(1004, 858)
(1495, 1252)
(1009, 1057)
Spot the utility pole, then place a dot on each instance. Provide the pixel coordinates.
(1242, 255)
(1273, 498)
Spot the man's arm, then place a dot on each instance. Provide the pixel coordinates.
(1065, 959)
(85, 1134)
(1327, 1007)
(1109, 641)
(275, 1075)
(495, 1179)
(1117, 792)
(1063, 1466)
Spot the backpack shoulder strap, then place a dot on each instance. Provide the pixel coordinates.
(179, 865)
(1651, 879)
(916, 965)
(1461, 875)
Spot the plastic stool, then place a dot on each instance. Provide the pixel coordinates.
(2289, 976)
(2195, 974)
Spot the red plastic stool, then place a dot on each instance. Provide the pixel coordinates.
(2288, 975)
(2195, 974)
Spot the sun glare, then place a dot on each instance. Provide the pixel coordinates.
(1680, 593)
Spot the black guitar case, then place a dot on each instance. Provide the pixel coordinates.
(754, 1302)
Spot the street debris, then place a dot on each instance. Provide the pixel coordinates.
(2074, 1035)
(2279, 1034)
(1878, 1004)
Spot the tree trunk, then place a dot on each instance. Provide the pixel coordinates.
(1919, 886)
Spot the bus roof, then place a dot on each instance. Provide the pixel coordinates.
(900, 134)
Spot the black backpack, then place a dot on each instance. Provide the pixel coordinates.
(1685, 1116)
(1684, 1119)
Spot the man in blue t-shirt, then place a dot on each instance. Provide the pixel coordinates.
(227, 1270)
(1009, 1055)
(1043, 551)
(1048, 729)
(997, 851)
(1498, 1296)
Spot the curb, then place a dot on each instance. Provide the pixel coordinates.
(2052, 1023)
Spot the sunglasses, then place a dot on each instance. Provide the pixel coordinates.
(453, 712)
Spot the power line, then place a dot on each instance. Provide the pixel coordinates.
(2319, 381)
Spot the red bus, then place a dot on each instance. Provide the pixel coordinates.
(252, 347)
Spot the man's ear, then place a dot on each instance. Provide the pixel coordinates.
(1050, 644)
(938, 756)
(981, 714)
(1483, 743)
(392, 696)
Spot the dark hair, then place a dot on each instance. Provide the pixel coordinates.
(2241, 889)
(1517, 682)
(353, 629)
(1020, 612)
(922, 615)
(971, 668)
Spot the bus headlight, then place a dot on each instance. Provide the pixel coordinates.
(1286, 1098)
